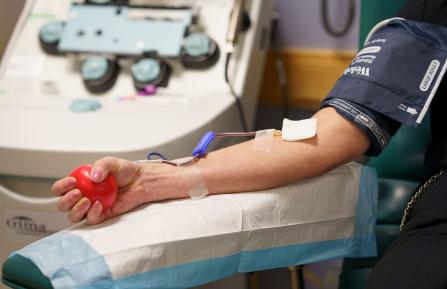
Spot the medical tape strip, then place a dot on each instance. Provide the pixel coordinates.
(194, 181)
(264, 140)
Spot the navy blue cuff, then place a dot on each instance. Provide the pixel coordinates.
(378, 127)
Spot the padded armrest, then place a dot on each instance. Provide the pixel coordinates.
(20, 273)
(354, 279)
(403, 158)
(394, 196)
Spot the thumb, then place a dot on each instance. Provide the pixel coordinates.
(122, 169)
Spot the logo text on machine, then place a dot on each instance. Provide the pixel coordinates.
(24, 225)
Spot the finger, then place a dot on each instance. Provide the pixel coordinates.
(95, 215)
(103, 167)
(79, 210)
(64, 185)
(125, 171)
(67, 202)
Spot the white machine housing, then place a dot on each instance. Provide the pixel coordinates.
(42, 140)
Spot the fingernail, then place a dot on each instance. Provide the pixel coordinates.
(77, 194)
(85, 202)
(96, 176)
(97, 205)
(72, 182)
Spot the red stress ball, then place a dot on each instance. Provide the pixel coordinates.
(105, 191)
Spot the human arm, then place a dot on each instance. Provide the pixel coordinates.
(240, 168)
(233, 169)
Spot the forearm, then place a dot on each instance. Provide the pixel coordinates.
(241, 168)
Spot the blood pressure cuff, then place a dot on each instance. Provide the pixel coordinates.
(393, 79)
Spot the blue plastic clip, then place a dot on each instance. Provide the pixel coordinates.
(203, 144)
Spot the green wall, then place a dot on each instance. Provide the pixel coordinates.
(374, 11)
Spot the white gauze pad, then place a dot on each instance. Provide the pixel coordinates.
(295, 130)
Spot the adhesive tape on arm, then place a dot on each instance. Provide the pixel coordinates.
(263, 140)
(295, 130)
(194, 181)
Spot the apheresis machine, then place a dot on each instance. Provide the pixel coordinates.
(134, 79)
(82, 80)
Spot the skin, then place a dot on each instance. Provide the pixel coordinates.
(234, 169)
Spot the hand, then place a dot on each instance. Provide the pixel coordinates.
(137, 184)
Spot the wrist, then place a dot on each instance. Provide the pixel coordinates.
(162, 182)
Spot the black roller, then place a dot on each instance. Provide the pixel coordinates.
(50, 35)
(99, 2)
(150, 71)
(199, 51)
(99, 74)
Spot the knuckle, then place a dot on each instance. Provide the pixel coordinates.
(92, 218)
(60, 206)
(88, 220)
(108, 160)
(56, 188)
(72, 217)
(60, 187)
(108, 213)
(106, 163)
(66, 202)
(77, 213)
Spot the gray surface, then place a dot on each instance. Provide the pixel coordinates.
(300, 25)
